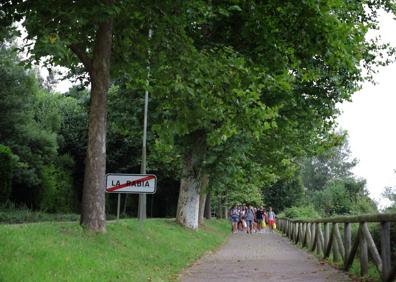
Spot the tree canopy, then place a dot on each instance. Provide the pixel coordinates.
(243, 90)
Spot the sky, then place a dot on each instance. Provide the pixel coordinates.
(370, 121)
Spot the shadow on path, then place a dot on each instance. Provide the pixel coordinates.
(260, 257)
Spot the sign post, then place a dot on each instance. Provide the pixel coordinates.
(141, 184)
(118, 206)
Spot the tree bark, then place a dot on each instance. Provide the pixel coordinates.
(202, 196)
(219, 212)
(188, 204)
(93, 199)
(208, 207)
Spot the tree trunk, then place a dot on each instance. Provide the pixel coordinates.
(202, 196)
(93, 199)
(208, 207)
(225, 211)
(188, 204)
(219, 212)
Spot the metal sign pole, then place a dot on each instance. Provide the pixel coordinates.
(118, 206)
(142, 213)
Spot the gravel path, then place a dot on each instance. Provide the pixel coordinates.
(260, 257)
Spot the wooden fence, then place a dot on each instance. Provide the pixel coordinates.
(324, 237)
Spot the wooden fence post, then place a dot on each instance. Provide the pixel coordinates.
(347, 241)
(313, 232)
(336, 253)
(363, 253)
(385, 250)
(323, 240)
(309, 236)
(326, 236)
(329, 244)
(338, 238)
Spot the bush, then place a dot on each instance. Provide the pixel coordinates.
(11, 214)
(57, 193)
(300, 212)
(6, 167)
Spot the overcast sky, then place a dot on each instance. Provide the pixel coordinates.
(370, 120)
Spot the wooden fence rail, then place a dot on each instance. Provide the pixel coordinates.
(323, 236)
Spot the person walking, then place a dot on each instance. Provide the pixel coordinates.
(249, 218)
(259, 216)
(271, 219)
(234, 219)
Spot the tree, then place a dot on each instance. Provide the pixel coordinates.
(333, 164)
(284, 193)
(7, 160)
(202, 107)
(390, 194)
(93, 39)
(85, 29)
(265, 70)
(30, 134)
(337, 198)
(296, 49)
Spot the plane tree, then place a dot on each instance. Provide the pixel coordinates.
(299, 60)
(97, 41)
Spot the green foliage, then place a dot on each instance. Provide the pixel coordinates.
(390, 194)
(337, 199)
(284, 193)
(301, 212)
(333, 199)
(22, 129)
(331, 164)
(7, 160)
(32, 124)
(164, 246)
(57, 193)
(258, 82)
(330, 184)
(11, 214)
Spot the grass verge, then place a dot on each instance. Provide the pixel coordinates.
(155, 250)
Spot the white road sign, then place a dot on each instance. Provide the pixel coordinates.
(131, 183)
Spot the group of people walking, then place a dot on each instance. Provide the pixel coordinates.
(249, 219)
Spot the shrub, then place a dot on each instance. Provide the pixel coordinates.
(57, 194)
(6, 167)
(301, 212)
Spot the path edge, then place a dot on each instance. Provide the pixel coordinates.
(201, 257)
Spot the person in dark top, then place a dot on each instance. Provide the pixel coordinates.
(259, 216)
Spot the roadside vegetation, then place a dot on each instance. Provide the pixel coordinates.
(156, 250)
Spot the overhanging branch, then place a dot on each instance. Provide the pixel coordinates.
(82, 56)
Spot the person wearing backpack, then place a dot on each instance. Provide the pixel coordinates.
(249, 218)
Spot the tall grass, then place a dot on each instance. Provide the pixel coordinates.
(155, 250)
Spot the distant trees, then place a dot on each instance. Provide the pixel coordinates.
(7, 162)
(29, 125)
(390, 194)
(330, 187)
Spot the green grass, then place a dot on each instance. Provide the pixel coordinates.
(373, 274)
(156, 250)
(26, 215)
